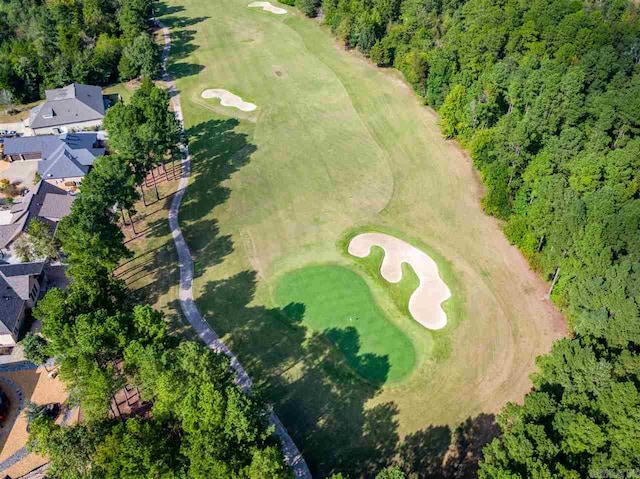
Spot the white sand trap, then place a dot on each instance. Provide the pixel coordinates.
(228, 99)
(425, 304)
(268, 7)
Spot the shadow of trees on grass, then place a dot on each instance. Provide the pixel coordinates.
(181, 39)
(303, 374)
(438, 453)
(320, 401)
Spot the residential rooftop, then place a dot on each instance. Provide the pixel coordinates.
(59, 156)
(74, 103)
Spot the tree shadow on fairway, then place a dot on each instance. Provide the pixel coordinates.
(373, 367)
(437, 453)
(181, 39)
(217, 151)
(318, 398)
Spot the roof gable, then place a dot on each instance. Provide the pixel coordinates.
(74, 103)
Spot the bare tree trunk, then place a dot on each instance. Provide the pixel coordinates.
(553, 283)
(124, 220)
(133, 226)
(155, 186)
(164, 167)
(144, 200)
(540, 243)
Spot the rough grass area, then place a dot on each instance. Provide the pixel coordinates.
(336, 145)
(339, 304)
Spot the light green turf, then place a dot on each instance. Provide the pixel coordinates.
(338, 303)
(336, 145)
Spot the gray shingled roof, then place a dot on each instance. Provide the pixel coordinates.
(8, 233)
(21, 269)
(62, 164)
(14, 290)
(64, 156)
(74, 103)
(56, 206)
(46, 202)
(11, 306)
(45, 144)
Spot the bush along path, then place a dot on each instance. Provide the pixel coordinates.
(292, 455)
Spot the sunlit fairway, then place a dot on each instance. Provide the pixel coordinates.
(337, 146)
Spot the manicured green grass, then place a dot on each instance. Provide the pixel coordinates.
(124, 89)
(337, 145)
(339, 304)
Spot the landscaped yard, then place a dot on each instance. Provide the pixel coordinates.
(336, 145)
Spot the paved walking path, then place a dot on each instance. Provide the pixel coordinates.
(291, 453)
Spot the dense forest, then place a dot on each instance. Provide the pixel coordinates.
(545, 94)
(48, 44)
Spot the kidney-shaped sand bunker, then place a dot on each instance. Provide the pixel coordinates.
(228, 99)
(268, 7)
(425, 304)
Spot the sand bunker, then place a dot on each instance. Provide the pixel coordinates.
(268, 7)
(228, 99)
(425, 302)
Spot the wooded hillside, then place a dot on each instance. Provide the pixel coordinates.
(50, 44)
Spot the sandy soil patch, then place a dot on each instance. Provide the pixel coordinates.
(228, 99)
(425, 304)
(266, 6)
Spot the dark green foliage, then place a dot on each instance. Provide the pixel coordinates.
(144, 131)
(49, 44)
(308, 7)
(141, 57)
(580, 421)
(35, 348)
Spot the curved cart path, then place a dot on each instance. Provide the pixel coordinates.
(291, 453)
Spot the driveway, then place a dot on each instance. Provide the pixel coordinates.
(17, 126)
(20, 172)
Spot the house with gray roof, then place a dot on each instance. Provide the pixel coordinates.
(46, 202)
(72, 108)
(63, 160)
(20, 286)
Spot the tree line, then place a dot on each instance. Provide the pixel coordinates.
(48, 44)
(197, 422)
(545, 94)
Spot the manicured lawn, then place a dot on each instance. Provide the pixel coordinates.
(339, 304)
(336, 145)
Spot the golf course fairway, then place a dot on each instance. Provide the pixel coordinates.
(338, 147)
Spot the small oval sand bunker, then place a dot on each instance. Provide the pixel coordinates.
(425, 304)
(266, 6)
(228, 99)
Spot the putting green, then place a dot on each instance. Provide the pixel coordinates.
(338, 303)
